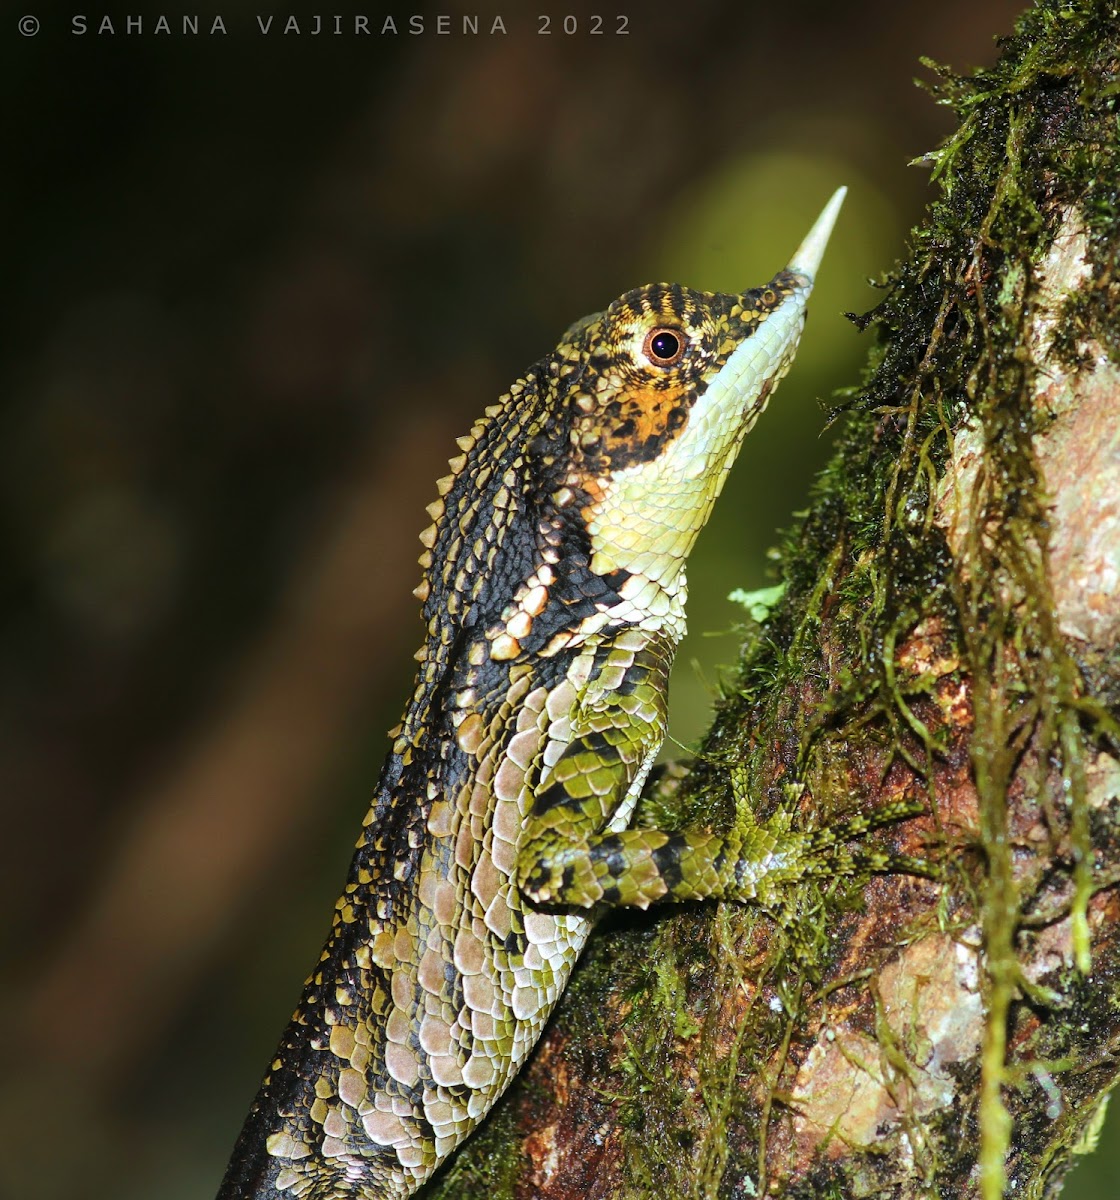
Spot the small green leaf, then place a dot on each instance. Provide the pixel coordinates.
(758, 603)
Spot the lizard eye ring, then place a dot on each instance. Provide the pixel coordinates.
(664, 346)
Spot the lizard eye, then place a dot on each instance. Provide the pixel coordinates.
(664, 346)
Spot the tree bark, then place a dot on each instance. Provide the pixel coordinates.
(949, 631)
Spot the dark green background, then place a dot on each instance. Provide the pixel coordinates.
(253, 287)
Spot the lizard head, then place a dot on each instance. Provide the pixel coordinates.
(660, 390)
(602, 463)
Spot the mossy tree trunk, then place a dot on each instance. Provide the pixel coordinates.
(949, 632)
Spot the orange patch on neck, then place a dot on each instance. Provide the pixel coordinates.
(648, 420)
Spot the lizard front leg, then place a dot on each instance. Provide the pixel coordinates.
(574, 850)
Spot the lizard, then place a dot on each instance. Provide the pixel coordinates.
(554, 593)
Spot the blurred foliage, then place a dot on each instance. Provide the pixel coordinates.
(254, 286)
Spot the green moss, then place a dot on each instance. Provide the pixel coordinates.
(1037, 132)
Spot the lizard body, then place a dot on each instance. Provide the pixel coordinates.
(554, 595)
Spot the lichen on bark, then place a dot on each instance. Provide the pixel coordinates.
(949, 630)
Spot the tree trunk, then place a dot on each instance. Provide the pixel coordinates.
(949, 632)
